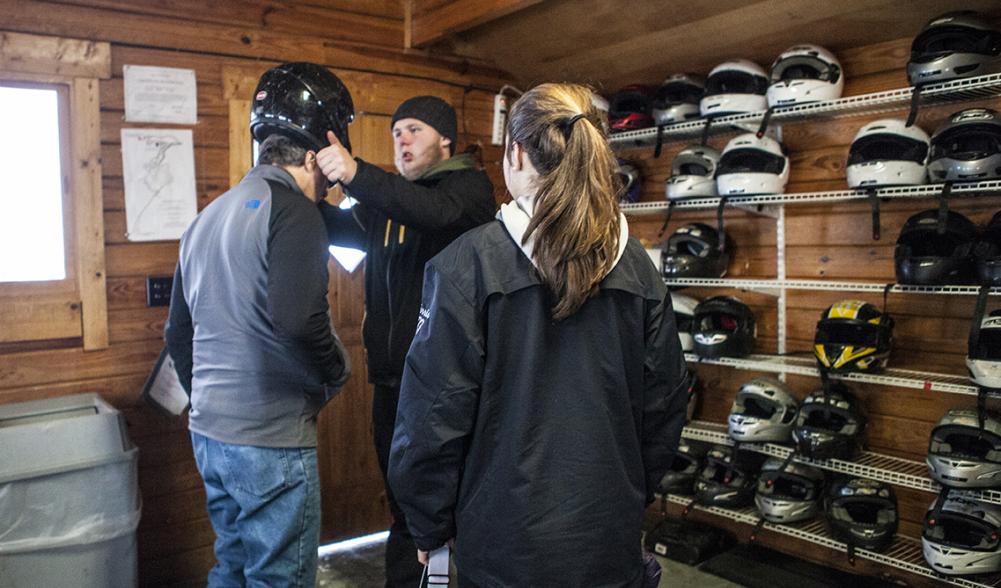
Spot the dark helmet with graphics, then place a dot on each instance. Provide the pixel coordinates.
(302, 101)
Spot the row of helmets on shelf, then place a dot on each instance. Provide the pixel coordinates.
(953, 45)
(964, 453)
(860, 512)
(885, 153)
(851, 335)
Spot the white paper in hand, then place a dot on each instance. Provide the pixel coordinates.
(163, 389)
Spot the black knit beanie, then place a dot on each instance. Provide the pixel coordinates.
(433, 111)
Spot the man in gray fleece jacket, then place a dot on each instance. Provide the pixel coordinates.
(249, 331)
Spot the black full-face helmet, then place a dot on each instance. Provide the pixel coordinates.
(931, 252)
(685, 468)
(728, 477)
(302, 101)
(987, 253)
(723, 326)
(829, 424)
(862, 513)
(696, 250)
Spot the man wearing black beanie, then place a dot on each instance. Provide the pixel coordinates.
(402, 221)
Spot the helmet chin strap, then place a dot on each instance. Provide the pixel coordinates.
(972, 344)
(874, 203)
(915, 102)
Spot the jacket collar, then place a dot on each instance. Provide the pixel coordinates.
(273, 173)
(454, 163)
(516, 215)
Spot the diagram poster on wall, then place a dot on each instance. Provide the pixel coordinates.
(158, 166)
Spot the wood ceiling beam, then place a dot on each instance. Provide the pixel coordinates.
(429, 26)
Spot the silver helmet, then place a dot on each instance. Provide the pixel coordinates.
(887, 152)
(954, 45)
(962, 537)
(677, 99)
(983, 357)
(764, 410)
(789, 494)
(967, 148)
(963, 455)
(693, 173)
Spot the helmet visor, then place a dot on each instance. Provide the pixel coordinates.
(965, 442)
(758, 407)
(847, 332)
(751, 160)
(865, 510)
(722, 474)
(717, 321)
(735, 82)
(886, 147)
(968, 142)
(693, 169)
(789, 486)
(943, 41)
(957, 530)
(928, 243)
(677, 93)
(832, 419)
(629, 103)
(804, 67)
(688, 246)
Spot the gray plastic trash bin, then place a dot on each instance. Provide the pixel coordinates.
(69, 495)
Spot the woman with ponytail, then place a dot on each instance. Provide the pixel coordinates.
(543, 396)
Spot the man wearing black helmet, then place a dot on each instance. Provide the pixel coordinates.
(402, 221)
(250, 335)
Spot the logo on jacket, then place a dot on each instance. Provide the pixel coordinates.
(423, 315)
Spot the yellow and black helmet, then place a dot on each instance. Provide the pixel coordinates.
(853, 336)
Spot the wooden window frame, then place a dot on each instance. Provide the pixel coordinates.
(77, 306)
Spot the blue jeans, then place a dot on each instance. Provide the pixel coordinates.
(264, 504)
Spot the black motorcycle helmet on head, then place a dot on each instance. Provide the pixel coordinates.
(302, 101)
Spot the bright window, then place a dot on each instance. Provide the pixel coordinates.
(348, 257)
(32, 244)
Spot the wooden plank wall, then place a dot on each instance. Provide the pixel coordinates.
(360, 40)
(834, 241)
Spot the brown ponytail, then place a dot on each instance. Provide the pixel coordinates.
(576, 216)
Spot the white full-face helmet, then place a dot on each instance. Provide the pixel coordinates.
(887, 152)
(752, 165)
(735, 87)
(805, 73)
(693, 173)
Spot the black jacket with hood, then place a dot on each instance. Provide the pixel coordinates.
(401, 224)
(536, 444)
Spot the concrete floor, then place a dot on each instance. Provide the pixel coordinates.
(363, 568)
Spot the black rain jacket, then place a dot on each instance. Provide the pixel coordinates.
(401, 224)
(536, 444)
